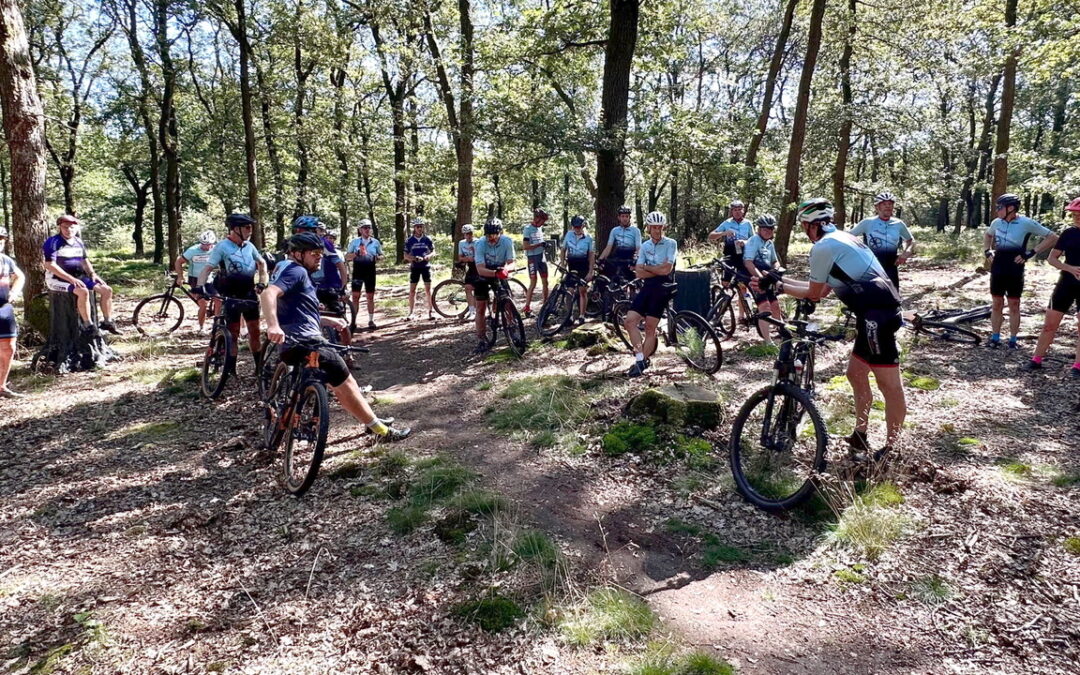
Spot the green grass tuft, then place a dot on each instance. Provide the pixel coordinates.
(869, 528)
(715, 553)
(923, 382)
(609, 614)
(481, 503)
(346, 470)
(761, 350)
(697, 452)
(405, 519)
(848, 576)
(545, 403)
(501, 356)
(703, 663)
(536, 547)
(931, 590)
(627, 437)
(493, 613)
(1015, 470)
(1072, 545)
(676, 526)
(437, 483)
(882, 494)
(393, 463)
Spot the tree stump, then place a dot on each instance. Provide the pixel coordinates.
(678, 405)
(68, 349)
(596, 338)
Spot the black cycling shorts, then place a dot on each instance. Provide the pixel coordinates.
(875, 337)
(417, 273)
(193, 282)
(331, 300)
(888, 263)
(618, 269)
(1008, 283)
(1066, 294)
(537, 265)
(238, 288)
(363, 277)
(330, 362)
(736, 261)
(578, 265)
(651, 301)
(482, 287)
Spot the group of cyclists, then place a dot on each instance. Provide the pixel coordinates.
(310, 282)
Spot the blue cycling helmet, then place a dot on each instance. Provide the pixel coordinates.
(309, 223)
(234, 220)
(578, 221)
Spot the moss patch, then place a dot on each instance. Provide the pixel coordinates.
(627, 437)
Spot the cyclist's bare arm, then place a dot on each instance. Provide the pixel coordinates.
(178, 266)
(809, 290)
(268, 299)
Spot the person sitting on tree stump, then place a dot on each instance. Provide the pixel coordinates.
(11, 285)
(68, 269)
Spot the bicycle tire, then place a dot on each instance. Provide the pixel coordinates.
(491, 329)
(555, 313)
(269, 365)
(519, 291)
(513, 327)
(806, 354)
(450, 299)
(618, 320)
(757, 471)
(722, 315)
(696, 342)
(949, 332)
(274, 407)
(153, 316)
(306, 441)
(218, 363)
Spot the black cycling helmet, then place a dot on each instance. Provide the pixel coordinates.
(1008, 199)
(625, 209)
(578, 221)
(493, 226)
(765, 220)
(234, 220)
(305, 241)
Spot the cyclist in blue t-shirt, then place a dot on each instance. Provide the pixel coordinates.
(533, 243)
(623, 244)
(12, 280)
(419, 250)
(467, 257)
(291, 308)
(364, 252)
(884, 235)
(759, 257)
(578, 254)
(241, 273)
(1006, 246)
(735, 232)
(196, 257)
(494, 261)
(655, 265)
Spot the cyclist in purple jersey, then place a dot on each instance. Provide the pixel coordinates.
(11, 286)
(68, 268)
(419, 250)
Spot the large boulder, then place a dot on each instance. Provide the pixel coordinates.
(678, 405)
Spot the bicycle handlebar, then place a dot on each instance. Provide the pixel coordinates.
(800, 328)
(316, 344)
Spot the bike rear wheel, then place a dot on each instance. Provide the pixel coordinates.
(450, 299)
(513, 327)
(949, 332)
(306, 440)
(520, 292)
(218, 363)
(158, 315)
(555, 313)
(695, 341)
(269, 365)
(618, 322)
(274, 407)
(722, 315)
(777, 447)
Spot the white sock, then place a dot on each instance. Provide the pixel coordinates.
(639, 356)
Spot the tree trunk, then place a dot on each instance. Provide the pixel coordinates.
(839, 174)
(618, 60)
(168, 135)
(1008, 96)
(337, 78)
(798, 130)
(302, 73)
(24, 129)
(259, 234)
(770, 88)
(140, 190)
(272, 153)
(1057, 126)
(401, 196)
(982, 157)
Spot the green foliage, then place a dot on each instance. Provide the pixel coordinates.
(437, 483)
(542, 403)
(883, 495)
(493, 613)
(931, 590)
(627, 437)
(536, 547)
(761, 350)
(871, 523)
(405, 519)
(697, 452)
(609, 614)
(481, 503)
(1072, 545)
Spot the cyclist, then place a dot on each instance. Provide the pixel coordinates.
(467, 257)
(291, 307)
(655, 265)
(759, 257)
(68, 268)
(197, 256)
(623, 245)
(11, 287)
(533, 243)
(735, 232)
(1066, 293)
(239, 265)
(578, 255)
(418, 251)
(364, 252)
(884, 234)
(494, 262)
(843, 263)
(1006, 244)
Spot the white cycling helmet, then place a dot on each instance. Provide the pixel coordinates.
(656, 218)
(208, 237)
(364, 222)
(466, 229)
(884, 197)
(813, 210)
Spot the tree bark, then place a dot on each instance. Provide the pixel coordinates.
(1008, 97)
(615, 94)
(24, 129)
(770, 87)
(839, 174)
(250, 163)
(396, 93)
(302, 73)
(168, 134)
(798, 130)
(270, 138)
(141, 192)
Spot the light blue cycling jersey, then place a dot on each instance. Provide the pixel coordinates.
(743, 229)
(197, 259)
(235, 261)
(625, 237)
(534, 235)
(494, 256)
(578, 246)
(467, 248)
(761, 251)
(1013, 235)
(882, 236)
(839, 259)
(372, 249)
(658, 253)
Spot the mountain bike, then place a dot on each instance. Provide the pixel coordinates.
(163, 313)
(942, 324)
(452, 302)
(562, 303)
(219, 362)
(779, 438)
(507, 319)
(722, 312)
(297, 411)
(688, 333)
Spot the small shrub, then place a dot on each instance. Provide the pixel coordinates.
(481, 503)
(627, 437)
(405, 519)
(609, 614)
(703, 663)
(493, 613)
(537, 547)
(1072, 545)
(931, 590)
(848, 576)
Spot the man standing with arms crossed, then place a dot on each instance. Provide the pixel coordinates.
(533, 243)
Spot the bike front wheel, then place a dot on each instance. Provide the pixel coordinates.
(949, 332)
(218, 363)
(513, 327)
(722, 315)
(306, 442)
(555, 313)
(450, 298)
(158, 315)
(695, 341)
(777, 447)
